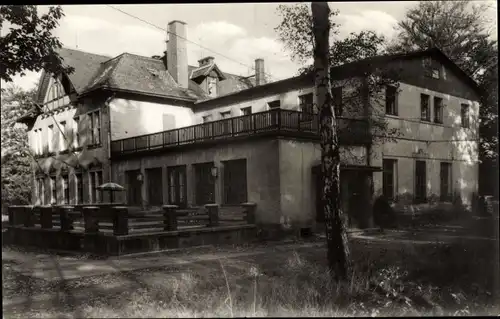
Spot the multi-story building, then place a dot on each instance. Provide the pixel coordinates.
(190, 135)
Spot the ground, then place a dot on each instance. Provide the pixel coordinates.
(431, 272)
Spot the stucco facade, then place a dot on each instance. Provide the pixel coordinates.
(281, 163)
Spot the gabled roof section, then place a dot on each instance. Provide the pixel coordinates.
(85, 65)
(366, 65)
(139, 74)
(205, 71)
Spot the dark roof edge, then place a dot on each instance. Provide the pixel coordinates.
(112, 89)
(257, 88)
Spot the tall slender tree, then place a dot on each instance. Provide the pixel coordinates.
(336, 235)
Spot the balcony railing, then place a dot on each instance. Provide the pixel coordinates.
(273, 122)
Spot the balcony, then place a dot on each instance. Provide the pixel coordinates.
(277, 122)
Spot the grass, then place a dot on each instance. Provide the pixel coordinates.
(388, 280)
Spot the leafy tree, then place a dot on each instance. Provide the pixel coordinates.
(295, 32)
(16, 158)
(29, 44)
(460, 30)
(338, 245)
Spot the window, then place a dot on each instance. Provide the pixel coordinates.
(235, 182)
(274, 104)
(464, 115)
(212, 87)
(204, 183)
(306, 106)
(445, 178)
(133, 187)
(420, 182)
(62, 136)
(35, 142)
(431, 68)
(65, 188)
(155, 186)
(53, 190)
(246, 110)
(246, 122)
(177, 185)
(338, 102)
(40, 141)
(95, 180)
(226, 125)
(79, 188)
(438, 110)
(95, 127)
(225, 115)
(40, 191)
(391, 100)
(389, 178)
(207, 118)
(76, 133)
(50, 138)
(425, 111)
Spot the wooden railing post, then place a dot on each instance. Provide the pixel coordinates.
(66, 219)
(28, 216)
(90, 219)
(46, 217)
(249, 209)
(120, 220)
(213, 214)
(170, 217)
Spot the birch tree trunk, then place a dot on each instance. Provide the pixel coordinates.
(336, 236)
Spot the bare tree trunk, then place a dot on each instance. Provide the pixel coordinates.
(336, 236)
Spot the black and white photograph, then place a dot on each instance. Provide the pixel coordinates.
(303, 159)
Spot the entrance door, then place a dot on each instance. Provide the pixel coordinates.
(205, 184)
(177, 185)
(133, 188)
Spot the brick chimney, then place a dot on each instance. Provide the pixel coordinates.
(206, 60)
(177, 62)
(260, 76)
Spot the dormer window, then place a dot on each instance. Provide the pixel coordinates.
(212, 87)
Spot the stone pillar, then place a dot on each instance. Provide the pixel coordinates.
(66, 218)
(46, 217)
(90, 219)
(170, 217)
(213, 214)
(28, 216)
(120, 220)
(249, 212)
(15, 215)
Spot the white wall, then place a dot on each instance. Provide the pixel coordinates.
(131, 118)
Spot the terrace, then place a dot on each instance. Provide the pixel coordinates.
(275, 122)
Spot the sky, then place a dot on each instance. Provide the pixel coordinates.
(235, 34)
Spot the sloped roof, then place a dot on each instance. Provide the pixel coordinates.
(205, 71)
(135, 73)
(85, 65)
(355, 68)
(138, 74)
